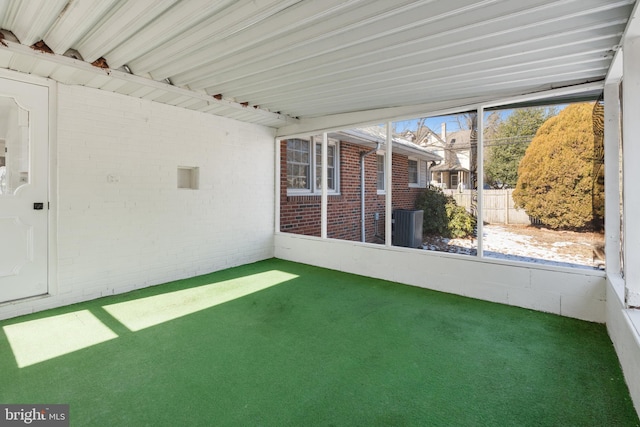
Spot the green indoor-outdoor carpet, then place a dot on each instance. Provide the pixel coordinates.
(277, 343)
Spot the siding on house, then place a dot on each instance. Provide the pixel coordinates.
(301, 214)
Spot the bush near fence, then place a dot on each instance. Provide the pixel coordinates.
(498, 206)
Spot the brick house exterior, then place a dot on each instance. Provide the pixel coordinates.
(300, 214)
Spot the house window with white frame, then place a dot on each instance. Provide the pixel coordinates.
(413, 172)
(304, 166)
(298, 164)
(331, 167)
(417, 173)
(380, 173)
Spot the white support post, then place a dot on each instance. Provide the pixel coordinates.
(480, 177)
(631, 172)
(388, 185)
(277, 171)
(323, 180)
(612, 178)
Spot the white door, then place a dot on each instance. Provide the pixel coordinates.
(24, 154)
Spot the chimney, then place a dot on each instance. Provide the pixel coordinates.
(443, 134)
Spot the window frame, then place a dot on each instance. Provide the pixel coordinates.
(380, 156)
(411, 160)
(314, 189)
(451, 179)
(422, 173)
(291, 161)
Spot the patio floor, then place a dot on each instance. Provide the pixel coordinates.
(277, 343)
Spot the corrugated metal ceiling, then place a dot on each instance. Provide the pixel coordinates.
(272, 61)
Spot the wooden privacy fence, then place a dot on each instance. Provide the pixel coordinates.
(498, 206)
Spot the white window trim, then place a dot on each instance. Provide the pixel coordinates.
(422, 173)
(414, 184)
(384, 190)
(313, 191)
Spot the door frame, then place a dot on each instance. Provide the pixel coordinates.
(52, 193)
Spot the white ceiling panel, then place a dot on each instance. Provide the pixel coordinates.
(274, 61)
(32, 19)
(78, 19)
(119, 23)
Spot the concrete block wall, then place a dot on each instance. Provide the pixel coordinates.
(568, 292)
(122, 221)
(301, 214)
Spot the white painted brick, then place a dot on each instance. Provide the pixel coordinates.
(140, 229)
(535, 299)
(569, 293)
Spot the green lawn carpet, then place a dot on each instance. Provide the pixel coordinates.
(277, 343)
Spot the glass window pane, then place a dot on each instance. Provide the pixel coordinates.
(298, 166)
(14, 146)
(380, 176)
(413, 171)
(449, 214)
(543, 186)
(331, 165)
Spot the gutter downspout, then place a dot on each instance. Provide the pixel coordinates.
(362, 156)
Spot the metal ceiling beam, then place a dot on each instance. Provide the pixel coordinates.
(118, 24)
(77, 19)
(169, 26)
(336, 122)
(296, 18)
(239, 15)
(378, 21)
(475, 63)
(496, 87)
(259, 49)
(31, 20)
(71, 71)
(403, 48)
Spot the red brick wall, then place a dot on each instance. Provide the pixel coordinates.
(301, 214)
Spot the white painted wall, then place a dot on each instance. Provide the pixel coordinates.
(623, 326)
(122, 223)
(573, 293)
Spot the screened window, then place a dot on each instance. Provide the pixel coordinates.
(380, 175)
(304, 167)
(331, 167)
(298, 164)
(413, 172)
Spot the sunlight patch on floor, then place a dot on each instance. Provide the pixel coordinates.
(38, 340)
(150, 311)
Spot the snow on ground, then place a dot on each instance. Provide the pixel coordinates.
(520, 244)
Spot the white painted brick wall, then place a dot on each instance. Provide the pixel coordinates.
(122, 221)
(573, 293)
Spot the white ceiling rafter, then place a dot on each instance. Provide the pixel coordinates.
(271, 61)
(217, 27)
(330, 123)
(118, 24)
(364, 56)
(442, 58)
(378, 22)
(78, 19)
(170, 25)
(67, 70)
(298, 17)
(31, 20)
(334, 48)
